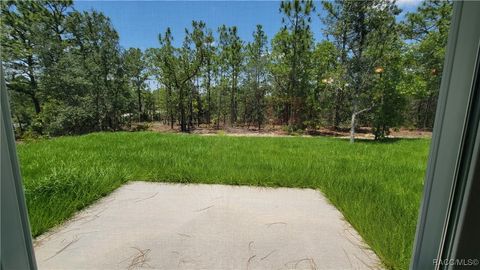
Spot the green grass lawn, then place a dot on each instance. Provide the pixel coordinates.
(377, 185)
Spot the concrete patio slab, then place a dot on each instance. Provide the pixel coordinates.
(173, 226)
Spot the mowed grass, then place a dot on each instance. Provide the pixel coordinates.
(376, 185)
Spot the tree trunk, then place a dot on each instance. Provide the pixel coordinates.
(209, 101)
(233, 111)
(139, 93)
(190, 107)
(352, 128)
(169, 106)
(286, 113)
(336, 110)
(36, 104)
(219, 109)
(183, 125)
(97, 110)
(33, 85)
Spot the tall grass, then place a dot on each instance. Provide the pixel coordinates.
(376, 185)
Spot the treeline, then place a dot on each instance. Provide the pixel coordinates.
(67, 73)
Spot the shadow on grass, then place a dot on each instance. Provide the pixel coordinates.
(381, 141)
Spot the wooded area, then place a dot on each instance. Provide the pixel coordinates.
(67, 73)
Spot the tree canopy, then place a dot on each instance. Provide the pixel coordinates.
(68, 74)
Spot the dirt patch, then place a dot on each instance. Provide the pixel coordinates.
(281, 131)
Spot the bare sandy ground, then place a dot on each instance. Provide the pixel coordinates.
(278, 131)
(173, 226)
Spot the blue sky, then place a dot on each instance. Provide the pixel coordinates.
(140, 22)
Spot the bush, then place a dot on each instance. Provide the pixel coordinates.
(142, 127)
(60, 119)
